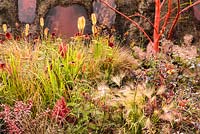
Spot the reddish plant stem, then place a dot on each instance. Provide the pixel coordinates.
(128, 18)
(178, 14)
(166, 18)
(162, 18)
(175, 20)
(157, 33)
(162, 3)
(157, 21)
(188, 7)
(156, 26)
(145, 18)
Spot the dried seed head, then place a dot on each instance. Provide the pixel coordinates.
(81, 24)
(94, 19)
(4, 26)
(27, 26)
(42, 22)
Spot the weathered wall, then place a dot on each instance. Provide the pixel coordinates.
(9, 10)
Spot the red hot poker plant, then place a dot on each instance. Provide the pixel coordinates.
(60, 110)
(63, 49)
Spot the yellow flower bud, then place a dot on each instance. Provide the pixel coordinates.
(41, 22)
(4, 26)
(94, 19)
(81, 24)
(27, 29)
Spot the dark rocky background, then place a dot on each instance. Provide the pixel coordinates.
(23, 11)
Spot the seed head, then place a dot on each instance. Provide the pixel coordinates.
(94, 19)
(81, 24)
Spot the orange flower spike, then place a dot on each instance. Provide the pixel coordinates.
(79, 56)
(83, 68)
(63, 49)
(46, 31)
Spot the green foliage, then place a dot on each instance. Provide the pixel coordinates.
(106, 89)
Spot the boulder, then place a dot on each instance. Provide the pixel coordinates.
(63, 20)
(26, 10)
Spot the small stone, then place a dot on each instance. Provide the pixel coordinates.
(27, 10)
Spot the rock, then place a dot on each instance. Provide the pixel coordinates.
(27, 10)
(63, 20)
(8, 11)
(105, 15)
(196, 10)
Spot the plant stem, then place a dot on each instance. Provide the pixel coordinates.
(156, 26)
(178, 14)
